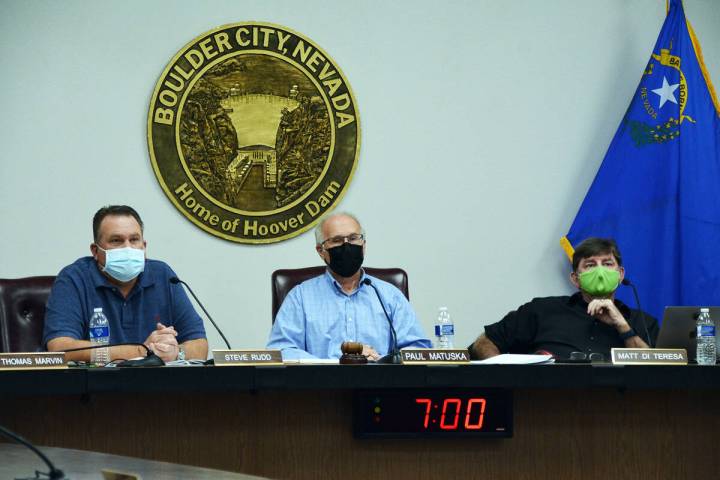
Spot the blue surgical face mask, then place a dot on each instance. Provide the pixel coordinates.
(124, 264)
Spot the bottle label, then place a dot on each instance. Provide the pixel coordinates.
(99, 332)
(446, 329)
(706, 330)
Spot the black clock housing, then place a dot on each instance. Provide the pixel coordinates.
(424, 413)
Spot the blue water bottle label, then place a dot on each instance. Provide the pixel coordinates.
(444, 330)
(706, 330)
(99, 332)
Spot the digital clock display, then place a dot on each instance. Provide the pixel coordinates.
(433, 413)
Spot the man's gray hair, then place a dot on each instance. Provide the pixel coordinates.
(319, 229)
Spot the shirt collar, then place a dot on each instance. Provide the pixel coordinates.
(338, 287)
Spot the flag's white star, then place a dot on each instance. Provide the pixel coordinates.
(666, 92)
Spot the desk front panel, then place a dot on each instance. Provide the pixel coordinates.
(305, 432)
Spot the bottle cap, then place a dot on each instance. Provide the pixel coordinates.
(705, 310)
(97, 310)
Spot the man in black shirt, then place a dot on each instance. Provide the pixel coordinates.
(590, 321)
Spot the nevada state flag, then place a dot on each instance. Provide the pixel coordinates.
(657, 191)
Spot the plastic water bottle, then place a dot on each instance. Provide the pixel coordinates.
(705, 354)
(99, 335)
(444, 330)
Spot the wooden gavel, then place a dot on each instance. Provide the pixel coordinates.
(352, 353)
(351, 347)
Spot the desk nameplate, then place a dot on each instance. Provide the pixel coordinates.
(32, 361)
(430, 356)
(649, 356)
(226, 358)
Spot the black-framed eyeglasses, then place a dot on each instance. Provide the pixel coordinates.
(586, 357)
(353, 239)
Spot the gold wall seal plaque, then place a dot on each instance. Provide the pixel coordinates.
(253, 132)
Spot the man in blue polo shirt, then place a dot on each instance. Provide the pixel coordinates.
(136, 296)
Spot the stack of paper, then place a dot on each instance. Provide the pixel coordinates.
(515, 359)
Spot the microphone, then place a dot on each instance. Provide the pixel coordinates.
(54, 474)
(150, 360)
(394, 356)
(176, 280)
(628, 283)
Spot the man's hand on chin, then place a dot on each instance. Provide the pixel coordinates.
(604, 309)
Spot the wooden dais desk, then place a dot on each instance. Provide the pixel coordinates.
(295, 422)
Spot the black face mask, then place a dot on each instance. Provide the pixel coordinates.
(346, 259)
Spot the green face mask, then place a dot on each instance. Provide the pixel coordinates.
(599, 281)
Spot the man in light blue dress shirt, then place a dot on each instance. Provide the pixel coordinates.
(335, 307)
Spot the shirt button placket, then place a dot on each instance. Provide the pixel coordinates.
(127, 313)
(349, 330)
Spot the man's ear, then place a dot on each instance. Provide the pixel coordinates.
(93, 249)
(574, 279)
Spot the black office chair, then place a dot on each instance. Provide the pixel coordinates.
(22, 313)
(284, 280)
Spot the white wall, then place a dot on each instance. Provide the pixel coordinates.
(483, 124)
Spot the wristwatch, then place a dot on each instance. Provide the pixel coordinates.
(629, 334)
(181, 352)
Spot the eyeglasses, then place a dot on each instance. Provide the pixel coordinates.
(584, 357)
(353, 239)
